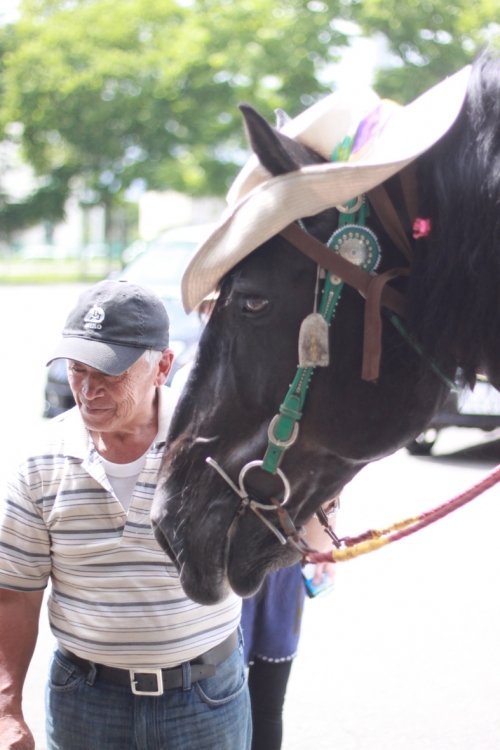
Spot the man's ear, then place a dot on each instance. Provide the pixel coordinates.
(164, 366)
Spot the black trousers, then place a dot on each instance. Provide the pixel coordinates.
(267, 682)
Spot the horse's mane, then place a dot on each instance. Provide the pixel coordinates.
(453, 301)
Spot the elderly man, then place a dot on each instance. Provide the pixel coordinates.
(138, 665)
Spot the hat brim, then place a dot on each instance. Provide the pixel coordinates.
(275, 202)
(111, 359)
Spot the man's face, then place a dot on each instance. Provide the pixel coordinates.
(114, 403)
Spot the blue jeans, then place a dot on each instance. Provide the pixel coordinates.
(83, 714)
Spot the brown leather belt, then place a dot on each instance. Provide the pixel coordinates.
(146, 681)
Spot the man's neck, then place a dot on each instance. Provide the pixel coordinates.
(129, 444)
(124, 447)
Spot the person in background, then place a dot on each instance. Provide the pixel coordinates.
(271, 622)
(137, 663)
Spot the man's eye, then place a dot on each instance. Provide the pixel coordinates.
(254, 304)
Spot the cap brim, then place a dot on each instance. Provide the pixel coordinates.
(275, 202)
(111, 359)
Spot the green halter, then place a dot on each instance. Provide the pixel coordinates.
(354, 242)
(358, 244)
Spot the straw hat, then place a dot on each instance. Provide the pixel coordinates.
(387, 138)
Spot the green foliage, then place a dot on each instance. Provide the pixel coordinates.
(428, 39)
(7, 43)
(44, 204)
(112, 94)
(148, 89)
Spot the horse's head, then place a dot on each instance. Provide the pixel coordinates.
(307, 441)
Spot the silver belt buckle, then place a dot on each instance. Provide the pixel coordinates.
(159, 681)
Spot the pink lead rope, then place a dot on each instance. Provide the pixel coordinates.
(350, 547)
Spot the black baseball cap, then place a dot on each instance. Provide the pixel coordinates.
(112, 325)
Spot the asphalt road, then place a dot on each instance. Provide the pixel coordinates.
(404, 653)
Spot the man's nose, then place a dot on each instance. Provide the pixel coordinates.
(91, 386)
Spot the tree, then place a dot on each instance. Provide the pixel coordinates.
(427, 39)
(145, 92)
(148, 89)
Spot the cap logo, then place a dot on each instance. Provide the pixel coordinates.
(94, 318)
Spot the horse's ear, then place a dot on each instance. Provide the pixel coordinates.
(275, 151)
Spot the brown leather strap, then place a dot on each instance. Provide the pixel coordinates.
(373, 287)
(384, 208)
(372, 334)
(348, 272)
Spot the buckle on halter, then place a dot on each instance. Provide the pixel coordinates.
(281, 443)
(137, 688)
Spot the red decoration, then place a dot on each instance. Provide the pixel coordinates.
(421, 228)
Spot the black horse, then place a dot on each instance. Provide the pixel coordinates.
(248, 353)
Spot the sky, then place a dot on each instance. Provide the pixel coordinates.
(8, 10)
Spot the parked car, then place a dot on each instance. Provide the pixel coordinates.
(159, 267)
(478, 408)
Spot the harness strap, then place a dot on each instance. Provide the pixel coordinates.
(373, 288)
(384, 208)
(376, 293)
(336, 264)
(372, 334)
(388, 215)
(283, 429)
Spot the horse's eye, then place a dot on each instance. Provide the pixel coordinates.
(254, 305)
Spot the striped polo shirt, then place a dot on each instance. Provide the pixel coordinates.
(115, 595)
